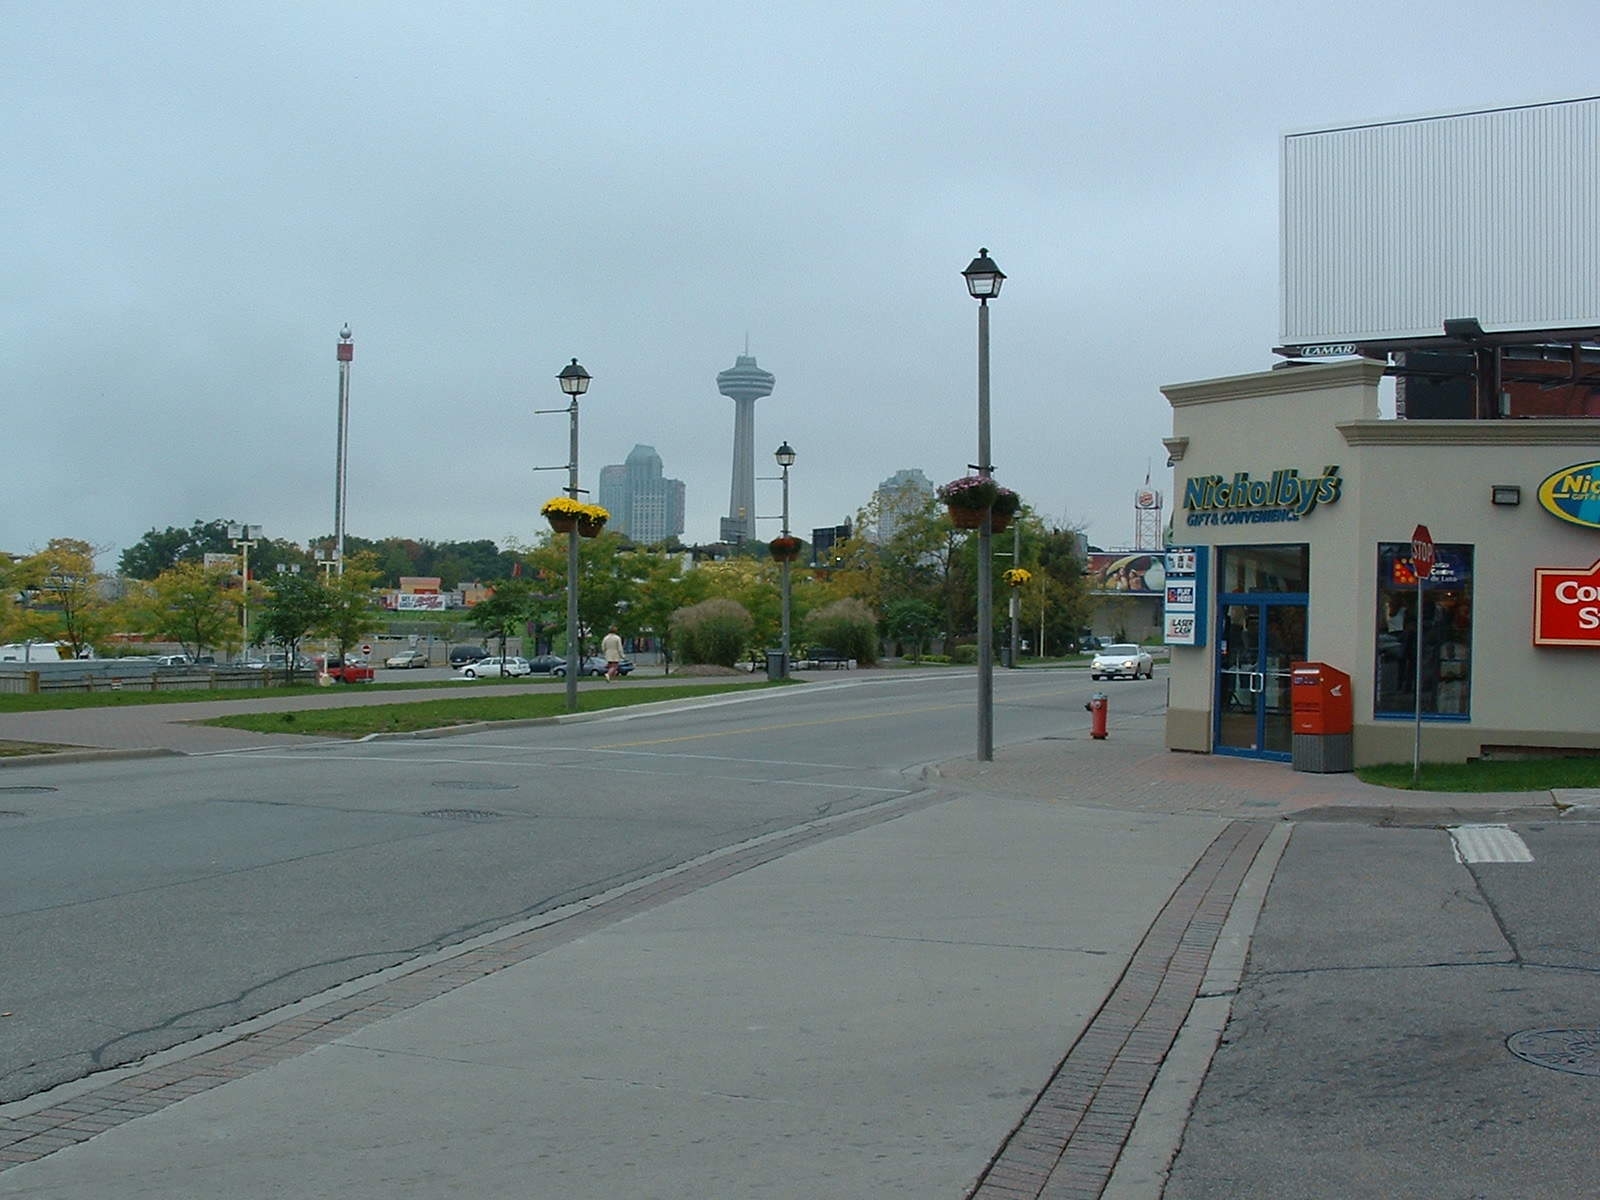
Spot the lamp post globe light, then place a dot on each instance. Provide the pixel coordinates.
(244, 538)
(574, 382)
(983, 284)
(785, 456)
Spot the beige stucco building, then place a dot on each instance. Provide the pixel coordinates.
(1301, 502)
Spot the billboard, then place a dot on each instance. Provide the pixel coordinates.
(419, 602)
(1139, 573)
(1389, 229)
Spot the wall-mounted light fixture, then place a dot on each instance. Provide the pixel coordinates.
(1508, 494)
(1177, 447)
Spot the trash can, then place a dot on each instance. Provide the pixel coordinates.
(1322, 718)
(777, 665)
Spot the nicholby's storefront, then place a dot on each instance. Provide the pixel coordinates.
(1292, 542)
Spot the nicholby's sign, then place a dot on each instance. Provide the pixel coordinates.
(1285, 496)
(1566, 606)
(1573, 494)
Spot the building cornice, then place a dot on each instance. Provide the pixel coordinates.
(1534, 432)
(1281, 382)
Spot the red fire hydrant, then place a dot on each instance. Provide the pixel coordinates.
(1099, 704)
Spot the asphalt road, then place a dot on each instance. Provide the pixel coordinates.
(144, 903)
(1368, 1051)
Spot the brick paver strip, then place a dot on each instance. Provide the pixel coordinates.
(1067, 1144)
(31, 1137)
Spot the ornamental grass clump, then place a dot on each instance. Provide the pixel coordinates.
(715, 631)
(846, 625)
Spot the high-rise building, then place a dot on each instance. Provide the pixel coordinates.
(744, 383)
(643, 505)
(902, 495)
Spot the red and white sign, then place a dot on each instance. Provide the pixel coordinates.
(1422, 551)
(1566, 606)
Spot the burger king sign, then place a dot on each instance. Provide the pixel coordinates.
(1566, 606)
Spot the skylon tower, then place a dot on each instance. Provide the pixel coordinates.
(744, 383)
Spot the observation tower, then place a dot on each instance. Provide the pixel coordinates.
(744, 383)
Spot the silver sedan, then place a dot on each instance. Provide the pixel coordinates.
(1128, 660)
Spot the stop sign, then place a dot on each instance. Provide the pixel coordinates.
(366, 647)
(1422, 552)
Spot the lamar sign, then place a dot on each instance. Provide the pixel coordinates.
(1566, 606)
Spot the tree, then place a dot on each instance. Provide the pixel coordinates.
(911, 620)
(65, 598)
(295, 606)
(846, 625)
(506, 609)
(350, 609)
(193, 606)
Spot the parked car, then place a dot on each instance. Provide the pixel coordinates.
(1117, 660)
(545, 664)
(344, 670)
(495, 666)
(460, 656)
(407, 658)
(594, 665)
(173, 660)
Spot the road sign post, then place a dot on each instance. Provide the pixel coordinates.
(1422, 567)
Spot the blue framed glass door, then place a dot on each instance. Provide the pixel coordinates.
(1259, 638)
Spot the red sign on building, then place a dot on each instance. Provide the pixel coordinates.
(1566, 606)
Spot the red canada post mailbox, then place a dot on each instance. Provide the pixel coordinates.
(1321, 699)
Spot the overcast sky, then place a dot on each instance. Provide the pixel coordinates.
(194, 199)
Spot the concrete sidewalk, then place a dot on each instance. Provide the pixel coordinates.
(863, 1007)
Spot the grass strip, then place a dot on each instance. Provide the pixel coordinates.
(460, 710)
(17, 749)
(11, 702)
(1510, 775)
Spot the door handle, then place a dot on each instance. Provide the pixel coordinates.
(1258, 681)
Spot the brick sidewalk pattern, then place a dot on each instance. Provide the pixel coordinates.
(1068, 1142)
(31, 1137)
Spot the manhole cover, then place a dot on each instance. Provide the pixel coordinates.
(1575, 1051)
(26, 791)
(472, 785)
(462, 814)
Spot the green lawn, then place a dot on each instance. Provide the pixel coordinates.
(46, 701)
(1530, 775)
(461, 710)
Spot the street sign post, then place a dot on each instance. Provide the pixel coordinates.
(1422, 567)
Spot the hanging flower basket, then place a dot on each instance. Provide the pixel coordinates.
(999, 522)
(970, 491)
(1018, 577)
(562, 524)
(562, 512)
(785, 549)
(590, 528)
(1006, 503)
(967, 518)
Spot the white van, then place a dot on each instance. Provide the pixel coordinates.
(30, 652)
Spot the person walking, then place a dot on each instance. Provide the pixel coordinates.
(611, 647)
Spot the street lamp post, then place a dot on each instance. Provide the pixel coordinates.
(341, 481)
(785, 456)
(244, 538)
(983, 284)
(574, 382)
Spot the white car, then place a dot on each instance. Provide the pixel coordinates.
(493, 667)
(1113, 661)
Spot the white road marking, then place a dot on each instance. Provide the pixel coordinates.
(1488, 844)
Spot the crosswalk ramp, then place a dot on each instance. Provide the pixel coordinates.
(1488, 844)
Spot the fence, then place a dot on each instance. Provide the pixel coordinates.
(111, 676)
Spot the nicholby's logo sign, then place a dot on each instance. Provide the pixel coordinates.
(1566, 606)
(1286, 496)
(1573, 494)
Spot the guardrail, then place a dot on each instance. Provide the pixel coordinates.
(108, 675)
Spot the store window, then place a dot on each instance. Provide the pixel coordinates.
(1446, 634)
(1253, 569)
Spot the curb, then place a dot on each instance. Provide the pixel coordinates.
(76, 756)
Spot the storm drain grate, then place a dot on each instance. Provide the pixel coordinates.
(463, 814)
(1575, 1051)
(26, 791)
(473, 785)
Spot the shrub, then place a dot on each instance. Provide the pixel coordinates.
(715, 631)
(846, 625)
(965, 655)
